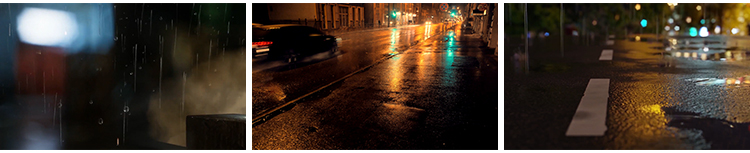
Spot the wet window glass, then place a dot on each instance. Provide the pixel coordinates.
(117, 76)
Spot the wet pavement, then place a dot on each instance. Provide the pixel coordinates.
(657, 99)
(275, 82)
(440, 93)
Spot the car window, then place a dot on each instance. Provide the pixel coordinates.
(259, 34)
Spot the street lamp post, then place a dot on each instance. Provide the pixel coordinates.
(562, 33)
(638, 8)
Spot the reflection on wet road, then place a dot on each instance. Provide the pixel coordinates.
(439, 94)
(357, 50)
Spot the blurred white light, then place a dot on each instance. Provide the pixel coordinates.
(735, 30)
(47, 27)
(688, 19)
(705, 49)
(703, 32)
(575, 33)
(670, 21)
(717, 30)
(666, 28)
(676, 28)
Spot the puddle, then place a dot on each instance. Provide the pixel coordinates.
(710, 55)
(719, 133)
(728, 82)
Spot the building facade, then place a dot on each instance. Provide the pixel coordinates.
(324, 16)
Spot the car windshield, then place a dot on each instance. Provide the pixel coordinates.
(259, 34)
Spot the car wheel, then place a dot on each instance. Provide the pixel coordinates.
(335, 48)
(291, 56)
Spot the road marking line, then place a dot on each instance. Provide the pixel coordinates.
(591, 114)
(606, 54)
(610, 42)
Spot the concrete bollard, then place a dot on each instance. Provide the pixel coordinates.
(216, 132)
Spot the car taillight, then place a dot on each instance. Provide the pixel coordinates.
(262, 43)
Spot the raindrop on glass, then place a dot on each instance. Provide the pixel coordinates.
(160, 18)
(91, 101)
(131, 73)
(195, 13)
(101, 121)
(140, 67)
(127, 109)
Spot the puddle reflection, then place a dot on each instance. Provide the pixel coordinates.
(728, 82)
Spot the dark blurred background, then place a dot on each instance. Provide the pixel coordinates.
(119, 92)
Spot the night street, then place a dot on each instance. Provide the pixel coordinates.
(627, 76)
(431, 85)
(655, 101)
(438, 94)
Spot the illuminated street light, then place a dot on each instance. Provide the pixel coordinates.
(676, 28)
(666, 28)
(688, 20)
(593, 22)
(637, 7)
(670, 20)
(735, 30)
(698, 7)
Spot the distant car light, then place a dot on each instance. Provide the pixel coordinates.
(717, 30)
(47, 27)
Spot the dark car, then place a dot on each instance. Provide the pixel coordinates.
(289, 42)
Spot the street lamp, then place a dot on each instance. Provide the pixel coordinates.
(698, 7)
(637, 7)
(688, 19)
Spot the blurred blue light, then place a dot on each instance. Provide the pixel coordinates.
(546, 33)
(87, 28)
(46, 27)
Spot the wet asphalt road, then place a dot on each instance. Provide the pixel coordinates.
(439, 94)
(275, 82)
(656, 101)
